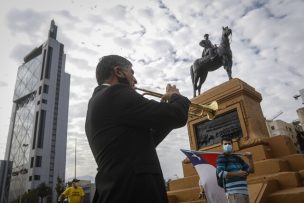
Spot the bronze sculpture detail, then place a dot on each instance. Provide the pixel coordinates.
(213, 57)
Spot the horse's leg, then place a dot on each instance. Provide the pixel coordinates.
(196, 77)
(228, 68)
(229, 72)
(202, 80)
(193, 76)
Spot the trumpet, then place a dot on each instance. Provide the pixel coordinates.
(195, 110)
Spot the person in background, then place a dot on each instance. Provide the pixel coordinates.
(233, 171)
(74, 193)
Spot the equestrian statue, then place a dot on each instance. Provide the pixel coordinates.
(213, 57)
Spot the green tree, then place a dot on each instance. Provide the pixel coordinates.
(28, 197)
(43, 191)
(59, 186)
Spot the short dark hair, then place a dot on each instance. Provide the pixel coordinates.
(106, 64)
(226, 138)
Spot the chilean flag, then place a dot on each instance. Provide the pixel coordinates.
(205, 165)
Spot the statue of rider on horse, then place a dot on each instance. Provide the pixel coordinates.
(213, 57)
(209, 48)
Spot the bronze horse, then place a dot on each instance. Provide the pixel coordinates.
(200, 68)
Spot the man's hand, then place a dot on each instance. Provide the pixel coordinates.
(237, 174)
(242, 173)
(170, 90)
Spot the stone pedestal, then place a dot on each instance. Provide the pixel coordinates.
(234, 97)
(279, 171)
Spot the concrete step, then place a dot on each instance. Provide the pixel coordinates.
(184, 195)
(270, 166)
(281, 146)
(171, 198)
(301, 173)
(292, 195)
(182, 183)
(285, 180)
(295, 161)
(188, 169)
(260, 152)
(258, 192)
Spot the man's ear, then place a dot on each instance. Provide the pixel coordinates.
(117, 72)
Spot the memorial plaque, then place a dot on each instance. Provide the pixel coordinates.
(210, 132)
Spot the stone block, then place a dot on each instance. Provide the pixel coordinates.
(171, 198)
(270, 166)
(188, 170)
(293, 195)
(184, 195)
(281, 146)
(182, 183)
(260, 152)
(295, 161)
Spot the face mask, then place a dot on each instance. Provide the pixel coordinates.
(123, 81)
(227, 148)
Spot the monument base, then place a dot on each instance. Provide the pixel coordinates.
(279, 170)
(239, 115)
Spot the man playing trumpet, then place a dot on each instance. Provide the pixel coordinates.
(123, 129)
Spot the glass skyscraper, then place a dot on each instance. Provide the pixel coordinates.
(37, 136)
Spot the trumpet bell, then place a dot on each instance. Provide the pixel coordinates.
(196, 110)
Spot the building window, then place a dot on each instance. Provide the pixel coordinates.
(41, 129)
(43, 62)
(35, 130)
(45, 89)
(32, 162)
(38, 161)
(38, 102)
(36, 177)
(39, 91)
(44, 101)
(30, 178)
(272, 127)
(48, 63)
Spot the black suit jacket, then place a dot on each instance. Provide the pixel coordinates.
(123, 129)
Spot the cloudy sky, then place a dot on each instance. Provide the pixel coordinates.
(161, 38)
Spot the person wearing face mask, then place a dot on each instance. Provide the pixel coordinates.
(123, 129)
(233, 171)
(74, 193)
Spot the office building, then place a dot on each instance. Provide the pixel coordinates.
(37, 136)
(5, 176)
